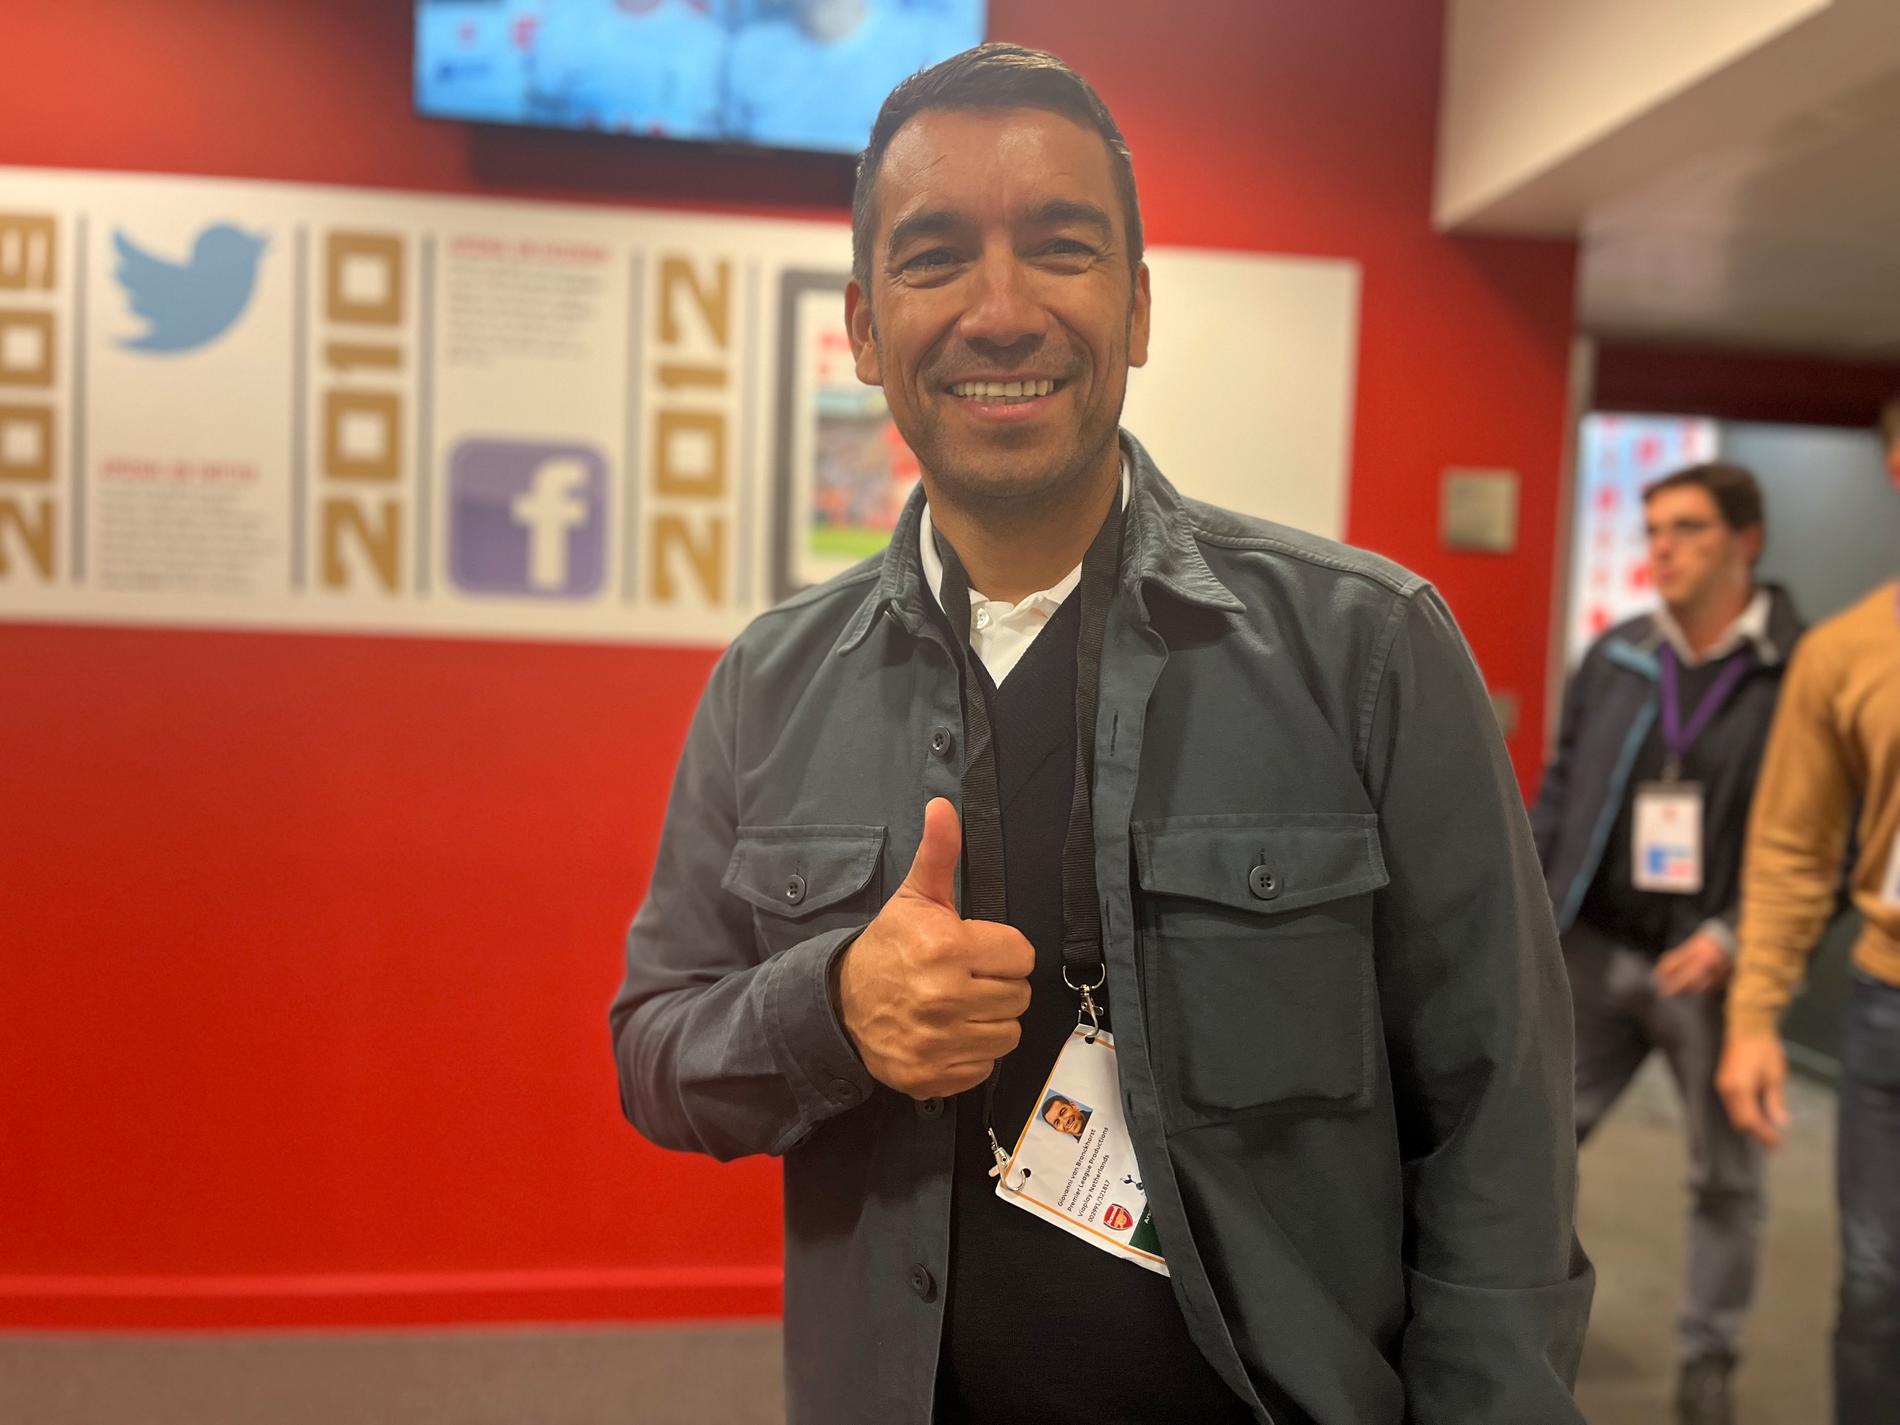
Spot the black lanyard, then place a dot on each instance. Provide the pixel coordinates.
(1083, 968)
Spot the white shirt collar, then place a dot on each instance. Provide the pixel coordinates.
(1000, 634)
(1751, 626)
(1051, 597)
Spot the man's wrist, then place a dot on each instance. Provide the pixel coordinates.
(1748, 1022)
(1722, 933)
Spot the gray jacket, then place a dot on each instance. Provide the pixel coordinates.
(1349, 1088)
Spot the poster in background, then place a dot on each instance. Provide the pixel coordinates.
(268, 405)
(843, 471)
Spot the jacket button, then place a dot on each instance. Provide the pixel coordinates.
(930, 1108)
(794, 889)
(940, 741)
(846, 1091)
(1263, 883)
(923, 1283)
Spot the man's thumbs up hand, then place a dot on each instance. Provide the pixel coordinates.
(930, 1000)
(933, 872)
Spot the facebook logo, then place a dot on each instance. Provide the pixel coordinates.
(527, 518)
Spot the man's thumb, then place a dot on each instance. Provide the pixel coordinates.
(933, 875)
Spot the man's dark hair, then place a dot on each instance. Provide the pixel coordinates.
(1890, 421)
(1736, 492)
(992, 76)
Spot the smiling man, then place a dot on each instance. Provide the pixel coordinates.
(1065, 1115)
(1086, 788)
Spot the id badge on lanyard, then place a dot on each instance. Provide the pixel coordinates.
(1667, 838)
(1073, 1164)
(1666, 841)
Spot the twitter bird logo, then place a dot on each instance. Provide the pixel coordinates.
(189, 305)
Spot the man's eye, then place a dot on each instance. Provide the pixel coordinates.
(1068, 247)
(935, 257)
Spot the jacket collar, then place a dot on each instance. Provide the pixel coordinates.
(1773, 641)
(1784, 625)
(1158, 548)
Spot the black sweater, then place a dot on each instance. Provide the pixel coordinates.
(1038, 1325)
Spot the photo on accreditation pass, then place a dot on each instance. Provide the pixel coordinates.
(1065, 1115)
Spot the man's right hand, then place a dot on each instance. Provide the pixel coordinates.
(1753, 1080)
(929, 999)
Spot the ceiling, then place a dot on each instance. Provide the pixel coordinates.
(1788, 241)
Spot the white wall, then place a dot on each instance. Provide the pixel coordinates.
(1270, 353)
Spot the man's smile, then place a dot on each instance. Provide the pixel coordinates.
(1012, 390)
(1009, 401)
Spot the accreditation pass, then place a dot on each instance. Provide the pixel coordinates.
(1073, 1164)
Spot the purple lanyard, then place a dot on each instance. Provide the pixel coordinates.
(1678, 739)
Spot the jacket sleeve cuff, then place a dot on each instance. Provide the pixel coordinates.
(807, 1040)
(1490, 1356)
(1722, 933)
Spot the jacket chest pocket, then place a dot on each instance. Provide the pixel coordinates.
(804, 880)
(1256, 952)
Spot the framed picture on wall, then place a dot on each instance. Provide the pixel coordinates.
(843, 472)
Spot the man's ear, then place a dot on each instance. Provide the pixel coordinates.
(1138, 319)
(1753, 541)
(863, 331)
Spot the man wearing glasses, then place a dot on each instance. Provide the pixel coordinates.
(1640, 824)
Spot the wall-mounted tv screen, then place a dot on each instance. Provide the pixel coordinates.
(799, 74)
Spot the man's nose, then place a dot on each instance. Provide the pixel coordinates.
(1004, 315)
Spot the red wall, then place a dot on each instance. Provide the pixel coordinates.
(308, 941)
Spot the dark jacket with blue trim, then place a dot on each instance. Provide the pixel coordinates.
(1610, 708)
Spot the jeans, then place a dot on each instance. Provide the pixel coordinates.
(1867, 1333)
(1621, 1020)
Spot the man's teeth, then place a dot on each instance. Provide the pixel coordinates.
(1002, 390)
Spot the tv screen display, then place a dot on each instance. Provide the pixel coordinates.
(799, 74)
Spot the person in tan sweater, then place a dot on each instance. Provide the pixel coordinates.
(1834, 747)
